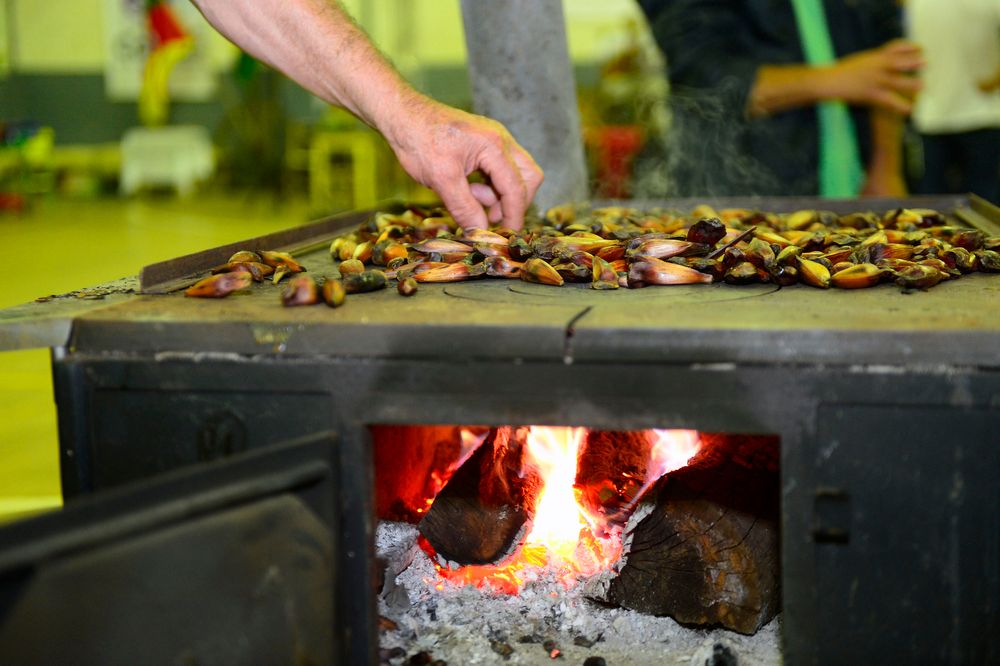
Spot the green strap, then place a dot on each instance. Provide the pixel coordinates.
(840, 170)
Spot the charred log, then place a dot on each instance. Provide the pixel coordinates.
(704, 548)
(479, 515)
(611, 471)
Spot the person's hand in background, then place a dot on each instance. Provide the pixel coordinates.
(883, 77)
(879, 78)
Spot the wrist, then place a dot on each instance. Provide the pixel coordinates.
(826, 83)
(395, 115)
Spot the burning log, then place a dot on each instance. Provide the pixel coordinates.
(611, 471)
(484, 508)
(479, 515)
(703, 548)
(412, 463)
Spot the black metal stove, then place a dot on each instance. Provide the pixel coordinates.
(887, 405)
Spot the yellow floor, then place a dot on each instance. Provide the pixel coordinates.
(63, 245)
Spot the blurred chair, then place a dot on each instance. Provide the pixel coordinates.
(174, 156)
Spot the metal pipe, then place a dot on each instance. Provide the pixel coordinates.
(521, 75)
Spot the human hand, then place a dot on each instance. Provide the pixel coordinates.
(440, 146)
(882, 77)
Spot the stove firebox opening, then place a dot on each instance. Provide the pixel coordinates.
(530, 543)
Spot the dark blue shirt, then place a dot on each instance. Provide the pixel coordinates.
(713, 50)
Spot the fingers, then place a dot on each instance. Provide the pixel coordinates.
(905, 85)
(484, 194)
(897, 93)
(903, 56)
(902, 46)
(495, 213)
(531, 173)
(487, 197)
(906, 62)
(457, 196)
(508, 184)
(892, 101)
(883, 77)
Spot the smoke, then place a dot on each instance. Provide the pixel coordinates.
(706, 150)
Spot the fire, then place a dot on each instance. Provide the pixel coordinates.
(672, 449)
(564, 536)
(559, 519)
(471, 440)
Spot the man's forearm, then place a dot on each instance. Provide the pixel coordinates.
(331, 56)
(317, 44)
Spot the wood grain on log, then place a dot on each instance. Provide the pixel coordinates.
(706, 549)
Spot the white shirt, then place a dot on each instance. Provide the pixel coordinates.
(961, 43)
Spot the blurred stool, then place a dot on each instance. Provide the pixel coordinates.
(343, 169)
(175, 156)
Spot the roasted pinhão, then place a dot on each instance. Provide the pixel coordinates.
(359, 283)
(221, 285)
(300, 290)
(610, 247)
(407, 287)
(333, 293)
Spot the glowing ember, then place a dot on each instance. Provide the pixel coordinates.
(563, 540)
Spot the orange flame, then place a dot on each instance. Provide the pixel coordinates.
(672, 449)
(563, 539)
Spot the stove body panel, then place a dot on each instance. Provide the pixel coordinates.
(887, 405)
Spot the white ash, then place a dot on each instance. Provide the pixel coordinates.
(468, 625)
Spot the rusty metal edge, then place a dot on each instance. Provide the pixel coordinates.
(173, 274)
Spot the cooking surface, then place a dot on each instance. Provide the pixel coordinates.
(955, 323)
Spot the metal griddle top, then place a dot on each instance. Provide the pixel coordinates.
(955, 323)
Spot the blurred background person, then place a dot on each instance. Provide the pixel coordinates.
(958, 112)
(798, 97)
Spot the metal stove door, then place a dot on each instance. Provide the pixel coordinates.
(233, 561)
